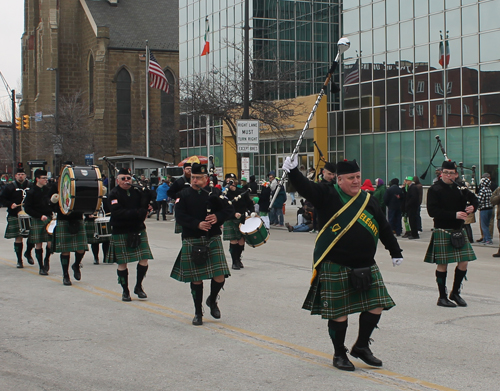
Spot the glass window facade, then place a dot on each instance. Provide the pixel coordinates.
(416, 69)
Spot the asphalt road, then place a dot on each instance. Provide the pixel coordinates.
(83, 337)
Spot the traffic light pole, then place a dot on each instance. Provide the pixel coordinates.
(14, 133)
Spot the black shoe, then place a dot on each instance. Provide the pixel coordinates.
(96, 261)
(139, 292)
(214, 308)
(240, 265)
(457, 299)
(43, 272)
(234, 267)
(29, 258)
(19, 264)
(197, 320)
(76, 272)
(343, 363)
(497, 255)
(405, 235)
(290, 228)
(164, 218)
(479, 240)
(66, 280)
(366, 355)
(413, 237)
(444, 302)
(126, 296)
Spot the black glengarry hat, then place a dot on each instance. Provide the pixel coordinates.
(40, 172)
(332, 167)
(449, 165)
(197, 168)
(20, 171)
(124, 171)
(347, 167)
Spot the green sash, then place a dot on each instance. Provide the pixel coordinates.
(337, 226)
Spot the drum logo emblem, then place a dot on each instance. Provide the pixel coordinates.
(84, 172)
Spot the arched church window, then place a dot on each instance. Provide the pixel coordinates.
(123, 110)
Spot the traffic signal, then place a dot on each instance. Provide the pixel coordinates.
(26, 122)
(19, 165)
(18, 123)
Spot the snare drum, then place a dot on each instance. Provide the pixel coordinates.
(51, 226)
(80, 189)
(254, 231)
(102, 227)
(24, 223)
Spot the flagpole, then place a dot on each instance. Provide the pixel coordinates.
(147, 99)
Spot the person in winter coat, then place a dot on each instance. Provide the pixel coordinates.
(277, 208)
(485, 209)
(367, 186)
(161, 199)
(379, 193)
(392, 198)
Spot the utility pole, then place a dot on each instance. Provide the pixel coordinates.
(246, 65)
(14, 135)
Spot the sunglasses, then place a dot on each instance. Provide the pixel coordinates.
(125, 178)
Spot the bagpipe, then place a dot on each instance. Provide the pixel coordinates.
(465, 184)
(342, 45)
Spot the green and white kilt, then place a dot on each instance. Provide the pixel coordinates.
(38, 231)
(186, 270)
(90, 231)
(231, 230)
(332, 296)
(440, 250)
(12, 230)
(64, 242)
(120, 253)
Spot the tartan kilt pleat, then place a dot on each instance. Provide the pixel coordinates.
(12, 230)
(186, 271)
(231, 230)
(440, 250)
(64, 242)
(332, 296)
(38, 231)
(90, 231)
(120, 253)
(177, 227)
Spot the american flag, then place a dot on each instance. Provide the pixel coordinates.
(353, 76)
(157, 76)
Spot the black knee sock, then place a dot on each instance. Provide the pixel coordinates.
(123, 280)
(78, 258)
(95, 250)
(233, 249)
(65, 265)
(457, 283)
(241, 248)
(215, 288)
(141, 273)
(337, 331)
(18, 248)
(367, 323)
(29, 247)
(197, 293)
(39, 256)
(47, 253)
(105, 248)
(441, 282)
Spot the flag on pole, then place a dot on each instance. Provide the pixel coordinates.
(353, 76)
(444, 53)
(157, 76)
(206, 48)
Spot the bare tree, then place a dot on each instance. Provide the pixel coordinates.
(220, 94)
(73, 137)
(164, 139)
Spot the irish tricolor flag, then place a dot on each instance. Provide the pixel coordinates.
(444, 53)
(206, 48)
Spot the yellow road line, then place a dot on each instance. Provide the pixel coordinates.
(380, 376)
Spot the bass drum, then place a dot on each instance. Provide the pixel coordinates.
(80, 189)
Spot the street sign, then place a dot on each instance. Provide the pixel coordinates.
(89, 159)
(245, 163)
(247, 132)
(247, 148)
(38, 116)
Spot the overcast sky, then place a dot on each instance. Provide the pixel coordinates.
(11, 30)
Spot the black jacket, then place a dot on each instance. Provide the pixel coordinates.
(128, 210)
(444, 201)
(37, 203)
(412, 201)
(13, 194)
(264, 199)
(357, 247)
(241, 205)
(193, 206)
(176, 188)
(390, 197)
